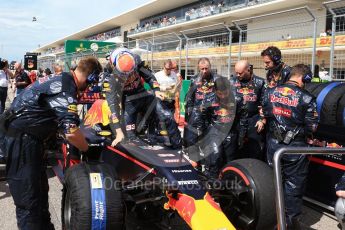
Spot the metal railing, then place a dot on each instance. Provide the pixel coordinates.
(280, 205)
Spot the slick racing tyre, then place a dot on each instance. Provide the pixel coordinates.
(328, 103)
(310, 87)
(90, 199)
(248, 201)
(341, 112)
(320, 86)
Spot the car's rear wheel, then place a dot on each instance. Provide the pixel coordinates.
(87, 204)
(248, 200)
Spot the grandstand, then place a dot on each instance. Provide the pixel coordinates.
(307, 31)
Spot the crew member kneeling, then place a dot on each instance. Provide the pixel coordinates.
(291, 115)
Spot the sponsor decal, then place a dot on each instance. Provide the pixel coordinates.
(174, 160)
(225, 119)
(284, 100)
(184, 204)
(152, 147)
(222, 112)
(96, 180)
(71, 128)
(181, 171)
(245, 91)
(204, 89)
(114, 118)
(155, 84)
(55, 87)
(130, 127)
(237, 84)
(282, 112)
(199, 96)
(98, 200)
(285, 91)
(72, 108)
(187, 182)
(70, 100)
(250, 98)
(166, 155)
(59, 102)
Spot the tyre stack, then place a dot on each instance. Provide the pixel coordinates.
(325, 170)
(330, 102)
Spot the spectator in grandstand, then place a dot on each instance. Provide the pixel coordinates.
(291, 117)
(5, 75)
(329, 32)
(21, 77)
(339, 208)
(125, 86)
(246, 132)
(323, 34)
(277, 71)
(39, 112)
(187, 15)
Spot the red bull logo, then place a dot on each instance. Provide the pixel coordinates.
(203, 214)
(222, 112)
(284, 100)
(204, 89)
(98, 113)
(285, 91)
(245, 91)
(184, 205)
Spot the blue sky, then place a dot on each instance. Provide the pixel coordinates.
(55, 20)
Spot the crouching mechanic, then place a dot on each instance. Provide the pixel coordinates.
(291, 117)
(125, 93)
(36, 114)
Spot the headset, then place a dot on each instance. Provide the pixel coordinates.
(92, 78)
(307, 76)
(276, 58)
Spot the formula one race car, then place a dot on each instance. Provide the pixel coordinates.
(140, 186)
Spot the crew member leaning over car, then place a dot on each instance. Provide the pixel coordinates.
(126, 96)
(41, 110)
(291, 117)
